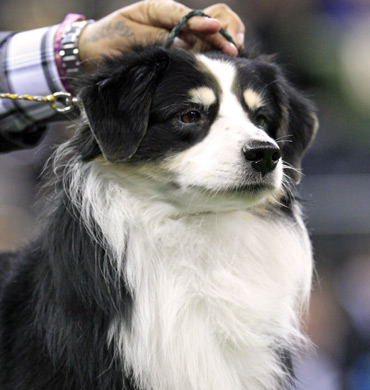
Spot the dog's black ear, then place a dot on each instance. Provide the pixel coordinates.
(298, 129)
(117, 101)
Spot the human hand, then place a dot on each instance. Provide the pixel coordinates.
(152, 20)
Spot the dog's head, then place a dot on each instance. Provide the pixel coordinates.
(210, 122)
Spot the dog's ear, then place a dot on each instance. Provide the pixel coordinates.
(117, 101)
(298, 129)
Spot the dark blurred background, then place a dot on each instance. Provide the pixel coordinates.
(324, 46)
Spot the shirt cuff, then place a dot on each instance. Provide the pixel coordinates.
(28, 68)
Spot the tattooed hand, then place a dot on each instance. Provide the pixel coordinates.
(152, 20)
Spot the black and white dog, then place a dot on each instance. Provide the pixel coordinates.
(173, 255)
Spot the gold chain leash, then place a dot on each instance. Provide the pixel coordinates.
(62, 102)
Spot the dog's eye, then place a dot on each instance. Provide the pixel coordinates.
(261, 122)
(190, 117)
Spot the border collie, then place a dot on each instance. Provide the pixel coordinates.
(173, 253)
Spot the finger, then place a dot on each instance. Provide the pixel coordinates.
(229, 20)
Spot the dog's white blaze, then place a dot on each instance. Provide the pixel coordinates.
(203, 95)
(252, 99)
(224, 72)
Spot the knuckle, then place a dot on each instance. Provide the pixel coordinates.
(222, 7)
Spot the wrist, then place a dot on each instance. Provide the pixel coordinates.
(87, 49)
(66, 50)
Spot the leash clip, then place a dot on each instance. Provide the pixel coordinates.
(66, 102)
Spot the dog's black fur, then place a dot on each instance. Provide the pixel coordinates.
(56, 303)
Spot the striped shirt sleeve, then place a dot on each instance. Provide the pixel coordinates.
(27, 67)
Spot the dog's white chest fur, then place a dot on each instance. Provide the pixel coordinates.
(215, 296)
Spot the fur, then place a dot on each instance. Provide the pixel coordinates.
(169, 258)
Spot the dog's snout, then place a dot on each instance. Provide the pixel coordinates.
(263, 156)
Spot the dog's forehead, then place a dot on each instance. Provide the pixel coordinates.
(203, 79)
(244, 79)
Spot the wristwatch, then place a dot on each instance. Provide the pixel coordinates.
(69, 52)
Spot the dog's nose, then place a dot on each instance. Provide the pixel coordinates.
(264, 156)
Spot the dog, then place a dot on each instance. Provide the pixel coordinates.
(172, 252)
